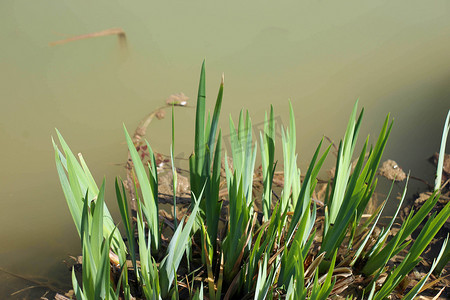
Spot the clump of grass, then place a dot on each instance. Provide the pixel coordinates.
(295, 250)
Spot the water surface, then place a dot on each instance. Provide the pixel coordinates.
(322, 55)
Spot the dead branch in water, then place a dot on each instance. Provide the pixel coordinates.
(35, 283)
(113, 31)
(179, 99)
(137, 136)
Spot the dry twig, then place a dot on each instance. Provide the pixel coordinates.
(113, 31)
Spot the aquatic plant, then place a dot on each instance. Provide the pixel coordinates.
(294, 246)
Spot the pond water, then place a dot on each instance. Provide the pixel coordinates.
(322, 55)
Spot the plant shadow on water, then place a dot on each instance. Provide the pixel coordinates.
(236, 231)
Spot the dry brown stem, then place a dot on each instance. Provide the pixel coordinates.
(137, 136)
(113, 31)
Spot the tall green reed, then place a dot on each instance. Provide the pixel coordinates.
(253, 257)
(267, 146)
(205, 163)
(78, 184)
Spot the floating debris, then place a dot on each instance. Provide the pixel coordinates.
(160, 114)
(113, 31)
(165, 185)
(179, 99)
(392, 171)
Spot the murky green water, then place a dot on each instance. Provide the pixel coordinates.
(323, 55)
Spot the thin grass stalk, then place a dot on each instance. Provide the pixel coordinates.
(213, 203)
(264, 243)
(376, 263)
(437, 184)
(381, 253)
(443, 261)
(127, 222)
(385, 231)
(147, 273)
(307, 187)
(174, 172)
(215, 119)
(149, 189)
(297, 290)
(417, 288)
(198, 293)
(265, 279)
(267, 146)
(433, 225)
(199, 145)
(362, 245)
(176, 249)
(208, 259)
(213, 206)
(368, 174)
(446, 255)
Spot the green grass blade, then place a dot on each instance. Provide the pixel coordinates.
(150, 198)
(215, 118)
(79, 183)
(76, 287)
(343, 166)
(74, 204)
(176, 249)
(306, 189)
(174, 188)
(96, 235)
(126, 220)
(199, 144)
(440, 165)
(213, 205)
(85, 183)
(372, 228)
(415, 290)
(443, 261)
(327, 286)
(267, 146)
